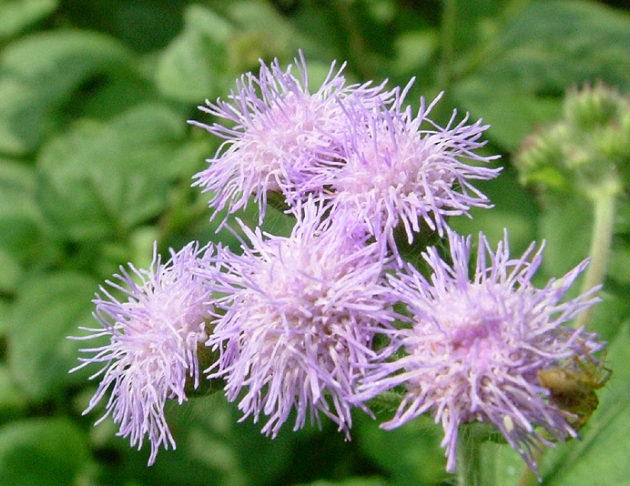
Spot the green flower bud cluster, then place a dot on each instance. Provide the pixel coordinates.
(587, 151)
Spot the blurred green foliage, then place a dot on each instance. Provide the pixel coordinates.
(96, 160)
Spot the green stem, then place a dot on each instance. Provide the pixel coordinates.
(469, 470)
(447, 39)
(604, 213)
(358, 53)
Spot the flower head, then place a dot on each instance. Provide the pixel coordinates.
(282, 134)
(477, 345)
(153, 338)
(300, 319)
(398, 173)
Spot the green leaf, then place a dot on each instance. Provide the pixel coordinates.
(620, 263)
(622, 221)
(146, 26)
(416, 458)
(38, 76)
(17, 15)
(601, 457)
(513, 209)
(254, 457)
(194, 66)
(119, 94)
(13, 402)
(566, 227)
(203, 61)
(21, 239)
(507, 127)
(351, 482)
(262, 34)
(414, 51)
(11, 271)
(549, 47)
(49, 309)
(42, 452)
(212, 448)
(611, 312)
(17, 182)
(102, 179)
(5, 319)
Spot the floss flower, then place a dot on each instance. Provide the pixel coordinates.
(397, 172)
(282, 135)
(300, 316)
(153, 339)
(477, 345)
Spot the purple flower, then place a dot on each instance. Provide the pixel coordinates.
(300, 318)
(477, 344)
(282, 135)
(153, 336)
(398, 173)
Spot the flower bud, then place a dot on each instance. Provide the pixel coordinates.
(585, 149)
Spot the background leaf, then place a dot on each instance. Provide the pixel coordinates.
(410, 454)
(21, 236)
(17, 15)
(101, 179)
(549, 47)
(96, 160)
(38, 76)
(50, 308)
(42, 452)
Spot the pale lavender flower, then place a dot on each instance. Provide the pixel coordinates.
(398, 172)
(301, 314)
(477, 344)
(153, 336)
(282, 134)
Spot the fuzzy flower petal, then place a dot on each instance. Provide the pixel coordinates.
(300, 318)
(153, 338)
(477, 344)
(398, 173)
(282, 134)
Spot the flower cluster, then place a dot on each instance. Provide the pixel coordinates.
(282, 136)
(355, 146)
(332, 316)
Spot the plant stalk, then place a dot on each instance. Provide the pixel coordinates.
(604, 214)
(469, 464)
